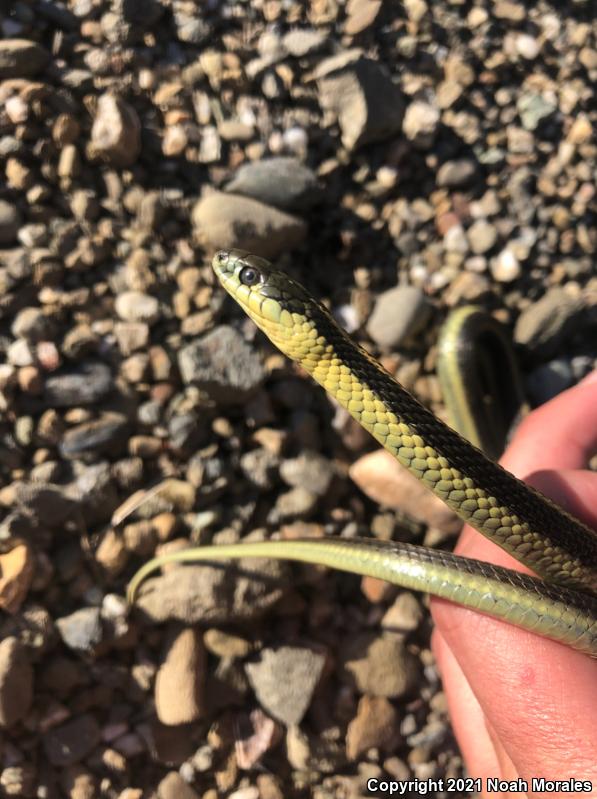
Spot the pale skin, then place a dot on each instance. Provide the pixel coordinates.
(523, 706)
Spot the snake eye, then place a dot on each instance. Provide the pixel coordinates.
(249, 276)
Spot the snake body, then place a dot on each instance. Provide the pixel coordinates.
(533, 529)
(479, 377)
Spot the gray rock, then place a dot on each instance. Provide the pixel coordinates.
(260, 467)
(534, 109)
(94, 492)
(71, 742)
(285, 679)
(282, 182)
(16, 682)
(104, 435)
(458, 173)
(223, 365)
(367, 102)
(549, 380)
(227, 220)
(379, 665)
(86, 385)
(298, 503)
(10, 220)
(310, 471)
(33, 325)
(48, 503)
(82, 630)
(544, 324)
(399, 314)
(20, 58)
(209, 594)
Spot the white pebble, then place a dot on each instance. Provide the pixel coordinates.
(505, 267)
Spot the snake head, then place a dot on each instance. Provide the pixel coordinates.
(275, 302)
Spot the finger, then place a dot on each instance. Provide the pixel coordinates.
(562, 434)
(519, 675)
(534, 693)
(468, 719)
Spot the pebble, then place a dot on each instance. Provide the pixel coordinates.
(282, 182)
(421, 123)
(505, 267)
(222, 364)
(17, 567)
(379, 665)
(398, 315)
(116, 131)
(32, 324)
(304, 41)
(404, 615)
(20, 58)
(50, 504)
(82, 630)
(16, 682)
(88, 384)
(310, 471)
(73, 741)
(208, 595)
(228, 221)
(482, 236)
(134, 306)
(225, 644)
(534, 109)
(386, 482)
(345, 83)
(542, 325)
(284, 680)
(180, 681)
(455, 174)
(549, 380)
(10, 221)
(375, 726)
(361, 14)
(172, 786)
(104, 435)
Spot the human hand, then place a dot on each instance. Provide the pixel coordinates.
(523, 706)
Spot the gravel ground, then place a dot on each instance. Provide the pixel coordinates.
(401, 160)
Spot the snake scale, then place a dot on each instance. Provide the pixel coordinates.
(548, 540)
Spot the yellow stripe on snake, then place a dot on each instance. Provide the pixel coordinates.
(555, 545)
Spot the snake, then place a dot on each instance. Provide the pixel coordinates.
(479, 378)
(559, 603)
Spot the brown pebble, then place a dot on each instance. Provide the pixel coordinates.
(30, 380)
(375, 725)
(16, 574)
(179, 685)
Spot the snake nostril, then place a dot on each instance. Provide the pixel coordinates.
(222, 257)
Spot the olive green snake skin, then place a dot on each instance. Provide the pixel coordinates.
(552, 543)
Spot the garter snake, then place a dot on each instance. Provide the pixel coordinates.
(555, 545)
